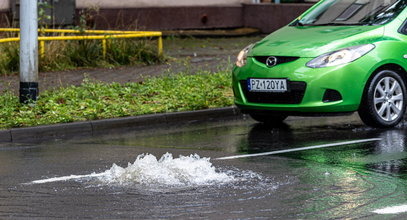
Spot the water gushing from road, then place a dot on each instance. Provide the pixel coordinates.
(148, 170)
(182, 171)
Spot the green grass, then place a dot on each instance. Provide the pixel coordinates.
(97, 100)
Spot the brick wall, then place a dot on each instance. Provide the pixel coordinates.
(266, 17)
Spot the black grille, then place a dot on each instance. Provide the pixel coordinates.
(331, 95)
(293, 96)
(280, 59)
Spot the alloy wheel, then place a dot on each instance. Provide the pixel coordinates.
(388, 99)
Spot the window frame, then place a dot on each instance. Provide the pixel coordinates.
(403, 28)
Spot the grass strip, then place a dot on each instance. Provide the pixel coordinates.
(97, 100)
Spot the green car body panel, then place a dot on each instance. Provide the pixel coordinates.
(308, 42)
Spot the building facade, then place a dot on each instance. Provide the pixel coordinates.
(163, 14)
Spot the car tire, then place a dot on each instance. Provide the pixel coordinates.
(384, 101)
(268, 119)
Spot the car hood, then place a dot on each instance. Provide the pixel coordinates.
(312, 41)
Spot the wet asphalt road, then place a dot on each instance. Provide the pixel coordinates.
(340, 182)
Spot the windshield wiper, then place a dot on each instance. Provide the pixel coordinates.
(297, 23)
(342, 24)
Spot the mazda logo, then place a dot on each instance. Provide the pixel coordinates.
(271, 61)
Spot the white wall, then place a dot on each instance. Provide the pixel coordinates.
(4, 5)
(154, 3)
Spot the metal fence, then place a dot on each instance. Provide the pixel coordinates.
(103, 35)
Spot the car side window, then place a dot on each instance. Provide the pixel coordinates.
(403, 28)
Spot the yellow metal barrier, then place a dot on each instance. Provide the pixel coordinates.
(106, 34)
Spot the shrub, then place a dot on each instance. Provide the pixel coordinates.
(61, 55)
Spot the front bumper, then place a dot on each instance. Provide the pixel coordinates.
(308, 86)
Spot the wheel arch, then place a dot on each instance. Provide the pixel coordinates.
(392, 66)
(365, 110)
(395, 67)
(389, 66)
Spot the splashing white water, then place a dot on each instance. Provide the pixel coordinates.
(185, 170)
(147, 170)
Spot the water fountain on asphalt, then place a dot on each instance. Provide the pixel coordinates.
(148, 170)
(149, 174)
(183, 171)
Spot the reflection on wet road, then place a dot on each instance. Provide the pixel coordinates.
(354, 180)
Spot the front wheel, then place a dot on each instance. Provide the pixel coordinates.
(384, 101)
(268, 119)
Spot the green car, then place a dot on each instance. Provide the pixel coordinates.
(339, 57)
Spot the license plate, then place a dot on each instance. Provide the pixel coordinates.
(267, 85)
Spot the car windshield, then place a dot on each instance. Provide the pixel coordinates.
(352, 12)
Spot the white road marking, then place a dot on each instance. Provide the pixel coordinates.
(65, 178)
(299, 149)
(392, 210)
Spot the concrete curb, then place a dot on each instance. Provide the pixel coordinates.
(98, 127)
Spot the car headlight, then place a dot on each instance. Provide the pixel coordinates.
(242, 56)
(342, 56)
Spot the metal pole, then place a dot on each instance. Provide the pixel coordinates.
(160, 46)
(28, 51)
